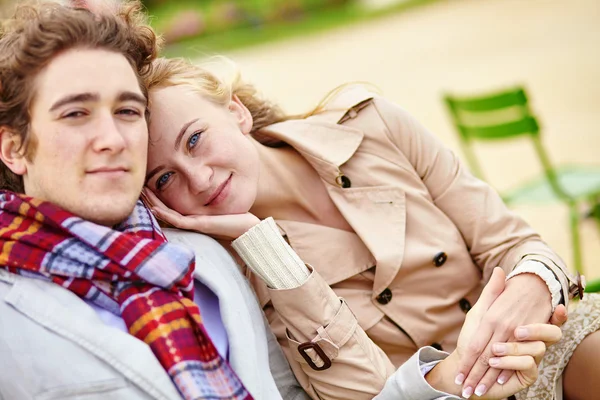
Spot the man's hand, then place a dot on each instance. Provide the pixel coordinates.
(525, 300)
(227, 227)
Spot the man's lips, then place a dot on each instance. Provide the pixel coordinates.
(108, 171)
(218, 191)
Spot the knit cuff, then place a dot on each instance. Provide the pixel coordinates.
(268, 255)
(540, 269)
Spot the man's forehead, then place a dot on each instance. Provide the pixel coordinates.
(103, 73)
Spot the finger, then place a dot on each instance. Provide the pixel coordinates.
(171, 217)
(478, 344)
(524, 373)
(515, 363)
(560, 316)
(473, 363)
(504, 376)
(152, 198)
(145, 199)
(546, 333)
(482, 377)
(487, 381)
(492, 290)
(536, 349)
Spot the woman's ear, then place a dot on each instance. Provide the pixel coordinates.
(11, 151)
(241, 114)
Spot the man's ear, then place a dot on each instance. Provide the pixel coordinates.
(241, 114)
(11, 152)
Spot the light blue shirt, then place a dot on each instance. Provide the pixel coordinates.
(208, 303)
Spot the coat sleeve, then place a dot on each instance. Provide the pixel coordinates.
(494, 235)
(359, 369)
(313, 313)
(409, 383)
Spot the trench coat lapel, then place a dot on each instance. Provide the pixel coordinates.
(377, 214)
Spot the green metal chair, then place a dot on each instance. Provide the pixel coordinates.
(506, 115)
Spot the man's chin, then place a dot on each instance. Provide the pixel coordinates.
(109, 212)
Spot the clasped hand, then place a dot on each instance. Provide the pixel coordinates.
(520, 359)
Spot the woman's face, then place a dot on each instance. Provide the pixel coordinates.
(201, 159)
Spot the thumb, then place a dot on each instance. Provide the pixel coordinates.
(492, 290)
(560, 316)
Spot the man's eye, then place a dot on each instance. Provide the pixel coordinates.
(129, 111)
(163, 180)
(193, 140)
(74, 114)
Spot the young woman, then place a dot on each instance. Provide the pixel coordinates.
(391, 237)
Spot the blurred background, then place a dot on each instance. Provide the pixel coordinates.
(416, 51)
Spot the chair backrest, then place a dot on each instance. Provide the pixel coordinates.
(496, 116)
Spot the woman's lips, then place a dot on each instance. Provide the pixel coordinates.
(220, 194)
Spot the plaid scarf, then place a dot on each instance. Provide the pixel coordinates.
(129, 270)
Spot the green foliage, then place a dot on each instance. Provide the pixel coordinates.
(193, 28)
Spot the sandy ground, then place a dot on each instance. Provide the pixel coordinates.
(465, 46)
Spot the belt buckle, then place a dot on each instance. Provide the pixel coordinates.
(310, 345)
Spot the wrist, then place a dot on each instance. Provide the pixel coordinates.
(534, 287)
(544, 275)
(442, 376)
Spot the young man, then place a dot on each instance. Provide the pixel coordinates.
(94, 302)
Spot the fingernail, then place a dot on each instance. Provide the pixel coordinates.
(480, 391)
(467, 392)
(493, 361)
(501, 380)
(460, 378)
(499, 349)
(522, 333)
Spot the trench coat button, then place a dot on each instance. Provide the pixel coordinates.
(385, 296)
(343, 181)
(437, 346)
(464, 305)
(439, 259)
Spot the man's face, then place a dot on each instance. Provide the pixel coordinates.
(87, 117)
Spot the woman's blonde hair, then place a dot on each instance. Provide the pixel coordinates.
(218, 80)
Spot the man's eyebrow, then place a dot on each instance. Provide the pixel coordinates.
(132, 96)
(75, 98)
(182, 131)
(87, 97)
(152, 173)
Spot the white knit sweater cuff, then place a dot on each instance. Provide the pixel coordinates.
(538, 268)
(268, 255)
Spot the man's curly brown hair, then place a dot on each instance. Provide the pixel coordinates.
(37, 33)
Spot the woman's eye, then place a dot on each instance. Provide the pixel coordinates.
(162, 180)
(193, 140)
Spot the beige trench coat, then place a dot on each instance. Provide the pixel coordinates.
(426, 235)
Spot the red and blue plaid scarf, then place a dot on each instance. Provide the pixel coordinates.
(130, 270)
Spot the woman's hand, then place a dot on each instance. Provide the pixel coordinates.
(520, 357)
(510, 310)
(226, 227)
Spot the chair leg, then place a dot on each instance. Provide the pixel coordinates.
(595, 213)
(575, 240)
